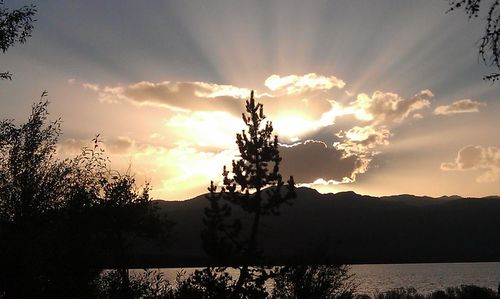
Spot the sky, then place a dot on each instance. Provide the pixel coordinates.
(377, 97)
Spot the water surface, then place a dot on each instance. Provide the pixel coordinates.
(424, 277)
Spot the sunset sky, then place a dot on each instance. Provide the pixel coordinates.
(378, 97)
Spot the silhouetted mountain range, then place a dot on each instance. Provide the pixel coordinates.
(350, 228)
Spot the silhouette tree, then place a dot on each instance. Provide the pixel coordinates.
(489, 43)
(33, 185)
(127, 215)
(115, 212)
(32, 181)
(256, 186)
(15, 27)
(62, 221)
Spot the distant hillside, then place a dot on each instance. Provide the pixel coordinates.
(352, 228)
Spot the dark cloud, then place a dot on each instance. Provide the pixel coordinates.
(314, 160)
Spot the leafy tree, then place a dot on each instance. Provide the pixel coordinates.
(32, 181)
(127, 215)
(489, 43)
(256, 186)
(33, 185)
(15, 27)
(63, 221)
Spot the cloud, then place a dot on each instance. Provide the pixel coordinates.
(309, 106)
(90, 86)
(389, 107)
(206, 97)
(71, 146)
(362, 141)
(294, 84)
(476, 157)
(310, 97)
(303, 97)
(461, 106)
(179, 96)
(312, 160)
(120, 145)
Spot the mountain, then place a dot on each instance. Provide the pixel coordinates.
(350, 228)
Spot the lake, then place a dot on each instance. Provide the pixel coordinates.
(424, 277)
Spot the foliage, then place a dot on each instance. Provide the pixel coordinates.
(62, 221)
(313, 281)
(489, 43)
(32, 182)
(15, 27)
(224, 238)
(400, 293)
(33, 185)
(126, 215)
(204, 284)
(466, 292)
(150, 284)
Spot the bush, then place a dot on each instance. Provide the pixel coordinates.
(466, 292)
(203, 284)
(400, 293)
(150, 284)
(313, 281)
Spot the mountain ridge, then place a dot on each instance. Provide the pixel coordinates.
(352, 193)
(350, 228)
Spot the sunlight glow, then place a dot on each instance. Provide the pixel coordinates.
(193, 169)
(208, 129)
(293, 127)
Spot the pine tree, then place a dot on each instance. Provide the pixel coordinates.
(256, 186)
